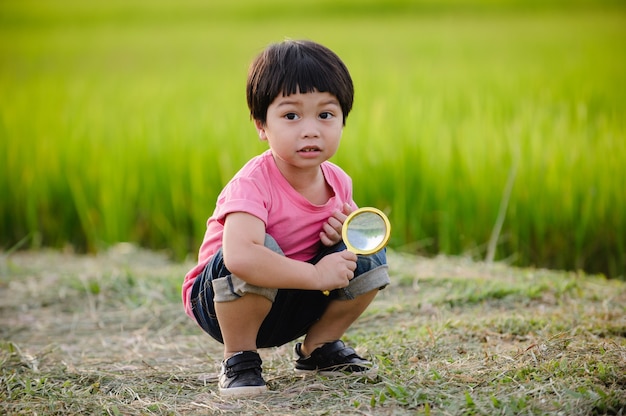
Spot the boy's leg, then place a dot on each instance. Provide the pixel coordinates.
(240, 321)
(335, 321)
(348, 304)
(322, 350)
(232, 312)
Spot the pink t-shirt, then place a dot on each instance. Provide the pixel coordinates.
(260, 190)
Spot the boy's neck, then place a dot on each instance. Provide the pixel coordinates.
(310, 183)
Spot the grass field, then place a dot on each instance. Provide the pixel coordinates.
(122, 121)
(107, 335)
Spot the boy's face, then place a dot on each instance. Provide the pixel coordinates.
(303, 130)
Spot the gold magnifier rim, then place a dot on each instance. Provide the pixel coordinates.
(381, 245)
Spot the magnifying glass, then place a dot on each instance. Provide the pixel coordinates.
(365, 231)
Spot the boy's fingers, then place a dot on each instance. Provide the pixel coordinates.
(334, 223)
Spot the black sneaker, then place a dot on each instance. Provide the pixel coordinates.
(331, 359)
(241, 375)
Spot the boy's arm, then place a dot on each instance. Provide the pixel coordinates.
(246, 256)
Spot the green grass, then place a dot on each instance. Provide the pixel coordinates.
(122, 121)
(106, 334)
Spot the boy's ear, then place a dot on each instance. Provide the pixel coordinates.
(260, 128)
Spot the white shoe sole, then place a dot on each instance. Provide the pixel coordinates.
(370, 373)
(243, 391)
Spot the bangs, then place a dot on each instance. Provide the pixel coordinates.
(305, 75)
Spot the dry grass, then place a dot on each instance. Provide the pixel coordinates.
(107, 335)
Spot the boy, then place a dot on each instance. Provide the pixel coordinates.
(273, 243)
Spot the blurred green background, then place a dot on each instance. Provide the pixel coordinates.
(122, 120)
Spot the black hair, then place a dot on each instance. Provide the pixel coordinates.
(293, 66)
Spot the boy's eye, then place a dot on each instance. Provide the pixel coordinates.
(326, 115)
(291, 116)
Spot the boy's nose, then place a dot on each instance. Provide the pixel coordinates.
(310, 129)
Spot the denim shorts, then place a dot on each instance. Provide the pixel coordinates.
(293, 310)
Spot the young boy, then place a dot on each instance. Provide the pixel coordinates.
(273, 243)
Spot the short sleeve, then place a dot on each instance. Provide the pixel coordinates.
(242, 194)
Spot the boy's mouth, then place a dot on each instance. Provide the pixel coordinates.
(309, 149)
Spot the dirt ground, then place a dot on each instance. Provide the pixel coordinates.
(107, 334)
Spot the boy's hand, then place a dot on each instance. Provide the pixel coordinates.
(331, 232)
(336, 270)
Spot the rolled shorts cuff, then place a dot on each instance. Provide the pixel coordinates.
(228, 287)
(231, 288)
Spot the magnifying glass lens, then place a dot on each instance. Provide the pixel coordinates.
(366, 231)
